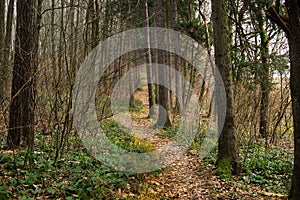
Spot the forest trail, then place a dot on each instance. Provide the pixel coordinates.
(188, 177)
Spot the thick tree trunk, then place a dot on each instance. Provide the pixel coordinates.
(163, 97)
(227, 146)
(21, 122)
(295, 91)
(292, 29)
(294, 44)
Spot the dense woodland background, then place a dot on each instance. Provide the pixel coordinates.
(256, 47)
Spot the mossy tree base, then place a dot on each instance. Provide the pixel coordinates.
(223, 168)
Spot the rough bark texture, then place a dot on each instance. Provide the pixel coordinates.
(290, 23)
(163, 98)
(21, 123)
(2, 33)
(294, 44)
(227, 146)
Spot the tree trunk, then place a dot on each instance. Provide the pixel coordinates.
(163, 97)
(21, 122)
(227, 146)
(292, 29)
(264, 75)
(294, 44)
(6, 61)
(2, 23)
(149, 62)
(95, 24)
(178, 80)
(2, 33)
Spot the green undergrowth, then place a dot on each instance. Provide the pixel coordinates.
(76, 175)
(204, 139)
(137, 106)
(169, 132)
(124, 140)
(270, 169)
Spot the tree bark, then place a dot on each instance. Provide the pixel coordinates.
(149, 62)
(291, 25)
(2, 33)
(264, 75)
(178, 80)
(294, 44)
(163, 97)
(21, 122)
(6, 61)
(227, 146)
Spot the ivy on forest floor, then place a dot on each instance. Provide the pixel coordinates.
(269, 169)
(77, 175)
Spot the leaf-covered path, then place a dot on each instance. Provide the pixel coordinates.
(78, 175)
(189, 177)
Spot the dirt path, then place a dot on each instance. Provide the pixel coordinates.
(189, 178)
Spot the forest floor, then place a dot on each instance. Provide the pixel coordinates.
(76, 175)
(191, 178)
